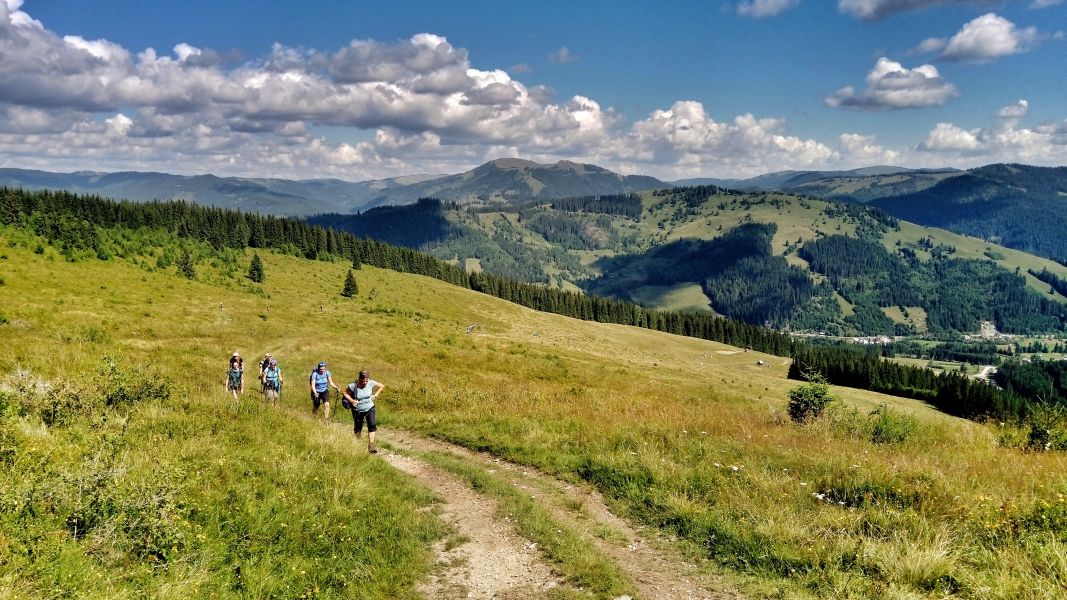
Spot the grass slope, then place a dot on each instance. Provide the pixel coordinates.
(686, 435)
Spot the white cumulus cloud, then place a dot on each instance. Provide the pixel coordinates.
(1003, 141)
(1016, 110)
(892, 86)
(759, 9)
(987, 38)
(406, 106)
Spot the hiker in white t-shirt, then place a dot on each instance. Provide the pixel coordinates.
(360, 396)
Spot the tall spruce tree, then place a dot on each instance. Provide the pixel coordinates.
(255, 270)
(351, 288)
(185, 266)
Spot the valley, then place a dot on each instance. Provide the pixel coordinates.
(742, 255)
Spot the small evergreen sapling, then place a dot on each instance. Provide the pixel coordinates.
(351, 288)
(255, 270)
(809, 400)
(185, 266)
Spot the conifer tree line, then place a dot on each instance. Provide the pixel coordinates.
(952, 393)
(66, 218)
(1055, 282)
(627, 205)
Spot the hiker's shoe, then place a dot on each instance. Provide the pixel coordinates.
(373, 449)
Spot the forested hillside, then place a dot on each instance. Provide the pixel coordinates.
(780, 260)
(1017, 206)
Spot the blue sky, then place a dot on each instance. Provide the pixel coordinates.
(362, 90)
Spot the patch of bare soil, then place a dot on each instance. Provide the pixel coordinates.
(657, 569)
(486, 558)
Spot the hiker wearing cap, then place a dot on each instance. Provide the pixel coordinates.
(321, 381)
(360, 396)
(235, 376)
(263, 364)
(272, 381)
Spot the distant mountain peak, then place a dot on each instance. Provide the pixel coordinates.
(513, 164)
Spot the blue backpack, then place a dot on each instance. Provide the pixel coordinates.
(270, 377)
(235, 378)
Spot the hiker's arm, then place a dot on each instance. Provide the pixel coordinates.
(378, 390)
(335, 386)
(348, 394)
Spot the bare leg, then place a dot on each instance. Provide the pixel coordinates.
(370, 442)
(326, 405)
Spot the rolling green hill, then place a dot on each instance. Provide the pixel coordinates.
(745, 255)
(126, 472)
(1018, 206)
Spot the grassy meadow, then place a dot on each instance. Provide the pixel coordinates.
(125, 494)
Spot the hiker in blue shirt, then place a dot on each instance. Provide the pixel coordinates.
(360, 396)
(272, 381)
(321, 381)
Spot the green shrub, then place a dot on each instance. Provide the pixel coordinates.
(809, 400)
(887, 426)
(129, 387)
(1048, 427)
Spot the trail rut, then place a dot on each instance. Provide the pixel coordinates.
(656, 569)
(488, 560)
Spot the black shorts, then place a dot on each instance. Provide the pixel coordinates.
(318, 398)
(369, 415)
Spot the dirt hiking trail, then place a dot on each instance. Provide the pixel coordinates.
(487, 559)
(496, 562)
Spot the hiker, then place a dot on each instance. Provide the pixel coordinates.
(235, 377)
(321, 381)
(236, 359)
(360, 396)
(263, 364)
(272, 382)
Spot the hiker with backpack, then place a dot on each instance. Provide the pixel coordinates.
(359, 397)
(235, 376)
(263, 364)
(272, 382)
(321, 381)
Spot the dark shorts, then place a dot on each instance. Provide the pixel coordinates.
(318, 398)
(369, 415)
